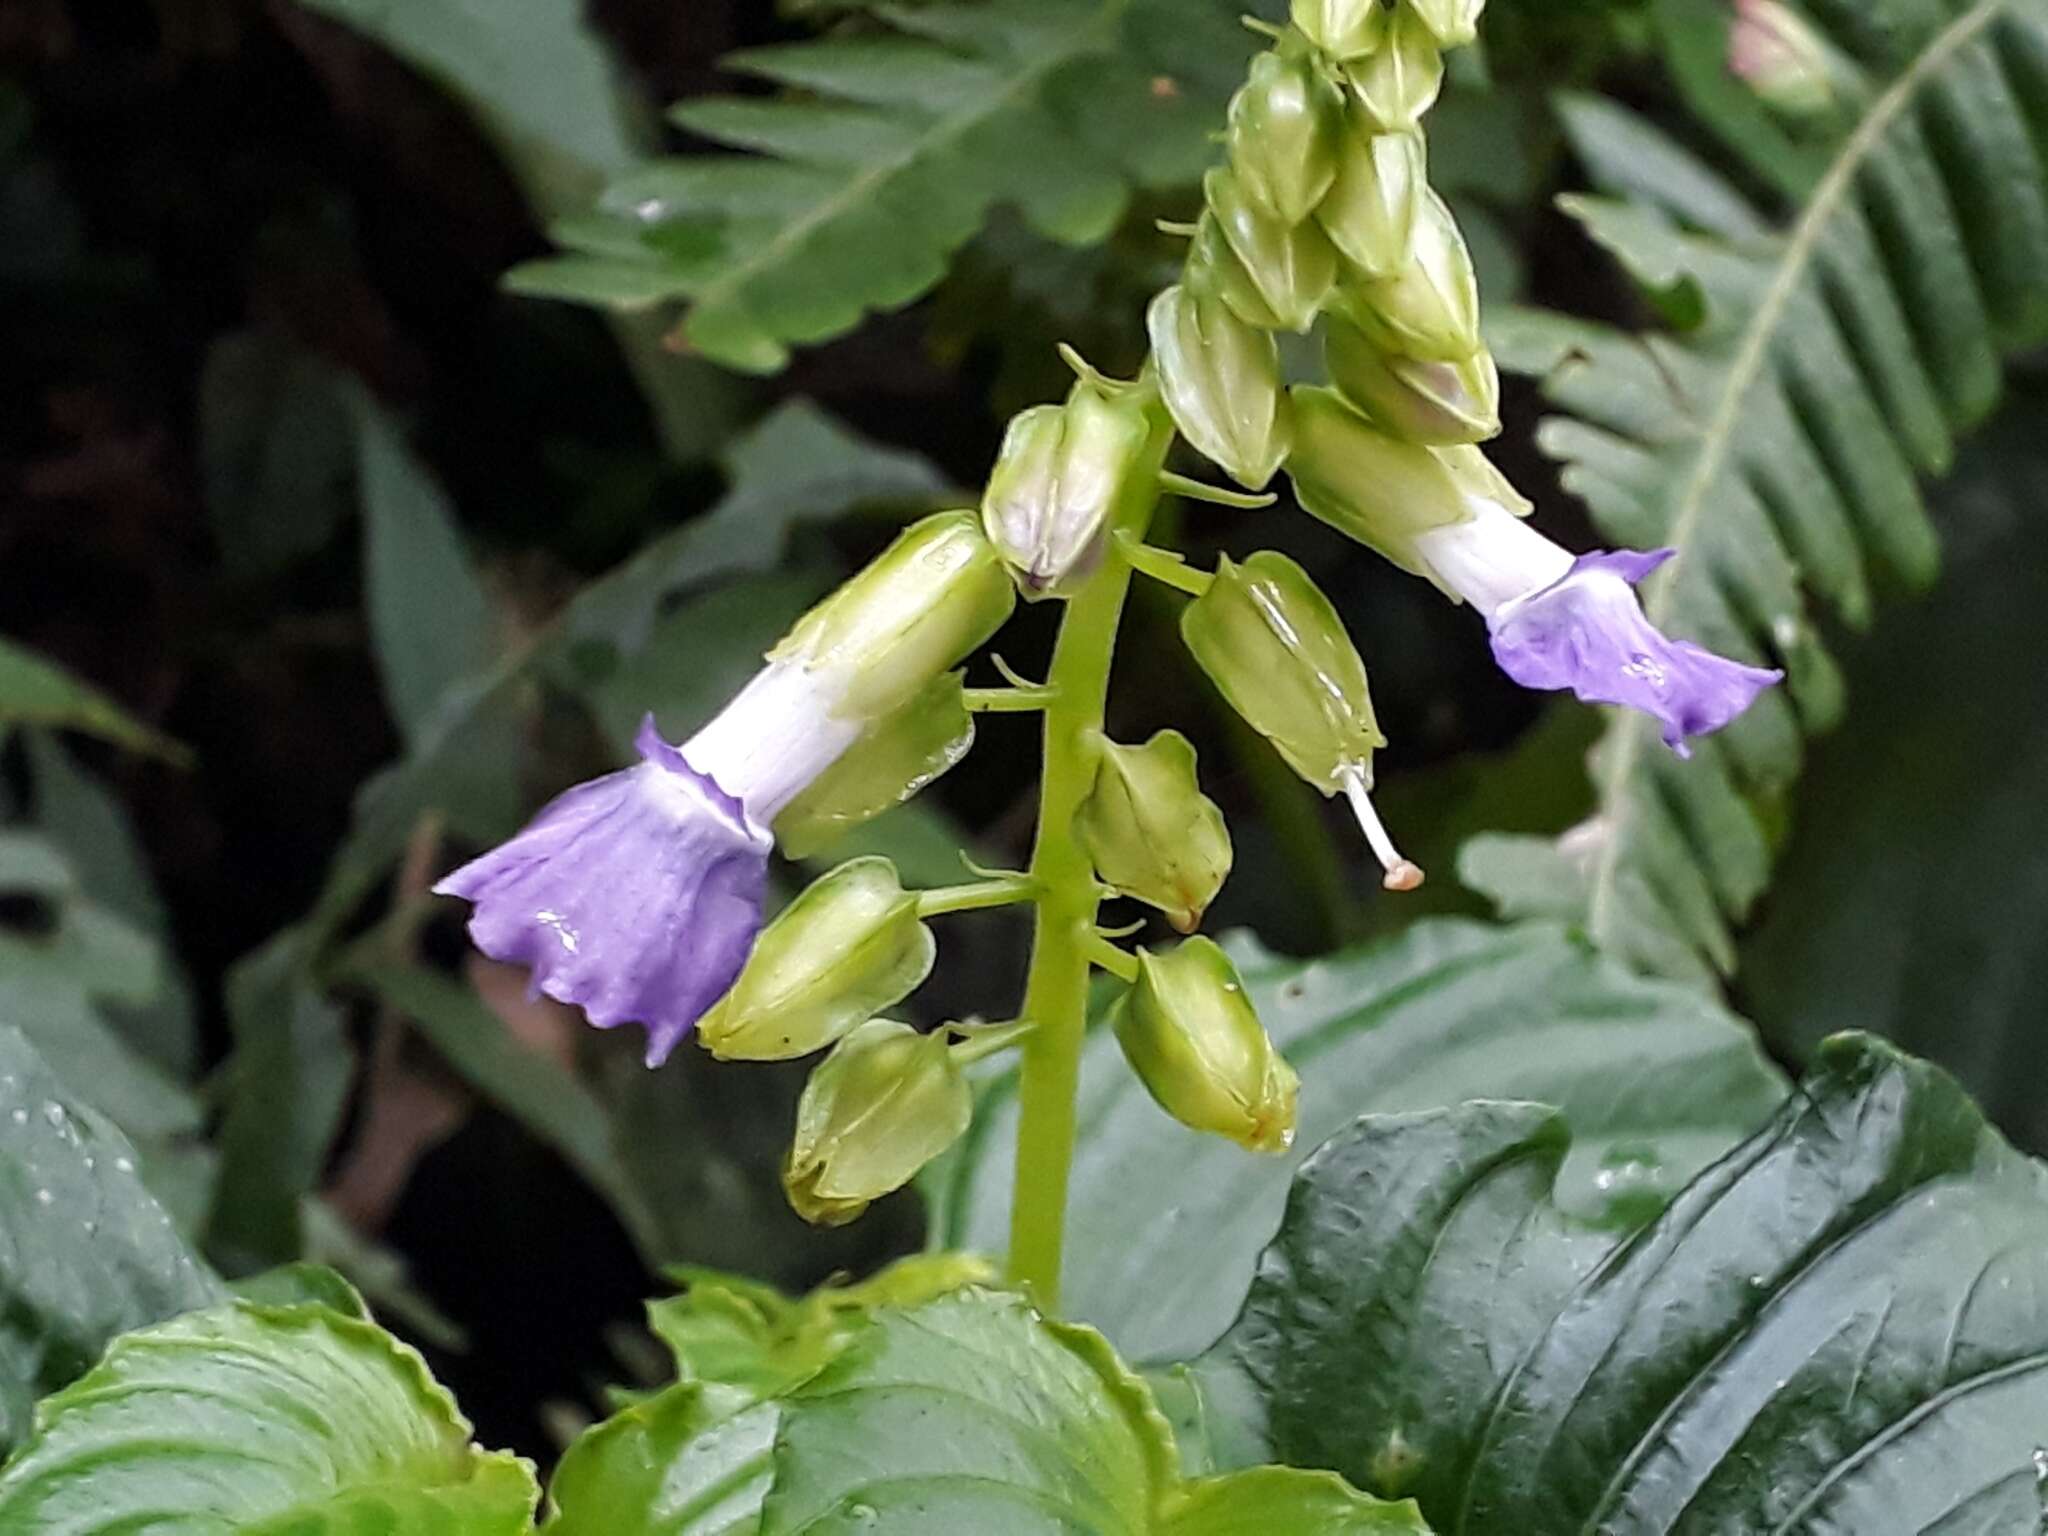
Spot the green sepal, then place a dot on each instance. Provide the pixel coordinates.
(1188, 1029)
(1375, 488)
(885, 1102)
(1422, 401)
(1151, 832)
(1291, 267)
(1285, 122)
(1343, 29)
(1429, 307)
(849, 946)
(1220, 379)
(1370, 210)
(1399, 80)
(932, 596)
(1453, 23)
(894, 759)
(1273, 645)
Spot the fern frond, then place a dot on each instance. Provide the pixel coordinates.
(885, 153)
(1815, 366)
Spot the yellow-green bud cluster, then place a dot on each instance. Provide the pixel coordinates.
(1325, 212)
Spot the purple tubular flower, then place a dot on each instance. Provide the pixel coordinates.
(635, 897)
(1586, 631)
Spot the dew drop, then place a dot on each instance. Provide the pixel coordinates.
(44, 1197)
(124, 1165)
(2041, 1465)
(863, 1515)
(54, 1113)
(19, 1117)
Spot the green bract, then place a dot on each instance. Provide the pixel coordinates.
(1220, 379)
(1151, 832)
(1191, 1034)
(885, 1102)
(1429, 307)
(1422, 401)
(1057, 483)
(1454, 22)
(896, 756)
(1289, 267)
(1376, 488)
(927, 600)
(1370, 211)
(1399, 79)
(1273, 645)
(848, 947)
(1284, 126)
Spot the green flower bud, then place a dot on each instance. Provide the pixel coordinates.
(1453, 22)
(1059, 478)
(1151, 832)
(1214, 272)
(885, 1102)
(851, 945)
(1782, 58)
(1370, 212)
(1292, 267)
(1424, 402)
(894, 759)
(1399, 80)
(1344, 29)
(1274, 647)
(1220, 378)
(1377, 489)
(1191, 1034)
(1284, 126)
(1429, 308)
(932, 596)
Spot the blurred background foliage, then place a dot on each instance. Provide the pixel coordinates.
(351, 552)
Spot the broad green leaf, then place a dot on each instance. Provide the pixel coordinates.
(277, 446)
(88, 1253)
(1261, 1501)
(673, 1465)
(970, 1413)
(1825, 348)
(37, 692)
(1838, 1327)
(429, 619)
(1914, 883)
(288, 1421)
(888, 153)
(1165, 1225)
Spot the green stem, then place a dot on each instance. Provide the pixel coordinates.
(1006, 701)
(1056, 994)
(1119, 962)
(1003, 891)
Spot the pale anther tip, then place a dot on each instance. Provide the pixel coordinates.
(1404, 876)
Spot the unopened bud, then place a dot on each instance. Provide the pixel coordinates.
(1777, 54)
(885, 1102)
(1220, 379)
(894, 758)
(1190, 1032)
(1376, 488)
(1424, 402)
(1284, 126)
(1429, 307)
(1273, 645)
(1453, 22)
(1291, 267)
(1344, 29)
(932, 596)
(851, 945)
(1058, 481)
(1399, 79)
(1369, 213)
(1151, 832)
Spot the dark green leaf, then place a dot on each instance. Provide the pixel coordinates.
(1165, 1225)
(88, 1253)
(35, 692)
(1838, 1327)
(253, 1418)
(674, 1465)
(429, 619)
